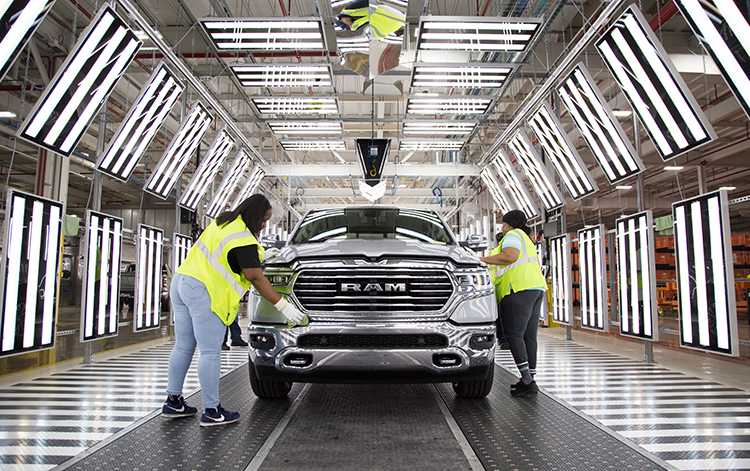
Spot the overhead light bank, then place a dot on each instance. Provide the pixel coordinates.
(265, 34)
(251, 184)
(535, 171)
(513, 185)
(450, 105)
(410, 145)
(470, 33)
(221, 197)
(308, 145)
(496, 190)
(207, 170)
(438, 127)
(306, 127)
(591, 256)
(296, 105)
(283, 75)
(19, 19)
(471, 75)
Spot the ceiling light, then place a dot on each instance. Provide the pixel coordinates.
(637, 270)
(101, 276)
(471, 75)
(7, 114)
(296, 105)
(563, 155)
(513, 185)
(591, 256)
(20, 19)
(705, 281)
(252, 182)
(715, 24)
(307, 145)
(283, 75)
(428, 145)
(562, 285)
(604, 135)
(675, 168)
(468, 105)
(228, 184)
(438, 127)
(624, 187)
(655, 90)
(84, 81)
(206, 172)
(372, 193)
(496, 190)
(305, 127)
(147, 315)
(31, 263)
(265, 34)
(145, 117)
(177, 154)
(468, 33)
(728, 188)
(535, 171)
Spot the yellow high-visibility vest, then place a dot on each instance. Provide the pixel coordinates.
(522, 274)
(207, 262)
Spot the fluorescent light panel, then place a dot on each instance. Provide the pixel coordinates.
(31, 263)
(430, 144)
(296, 105)
(292, 145)
(283, 75)
(101, 276)
(305, 127)
(180, 248)
(591, 256)
(467, 33)
(471, 75)
(636, 276)
(535, 171)
(513, 185)
(147, 315)
(221, 197)
(562, 154)
(177, 155)
(450, 105)
(19, 19)
(69, 102)
(207, 170)
(713, 23)
(496, 190)
(655, 90)
(251, 184)
(146, 115)
(438, 127)
(599, 127)
(265, 34)
(706, 298)
(562, 287)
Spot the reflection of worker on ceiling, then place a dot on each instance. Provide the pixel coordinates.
(382, 19)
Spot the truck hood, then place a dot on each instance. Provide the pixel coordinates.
(375, 248)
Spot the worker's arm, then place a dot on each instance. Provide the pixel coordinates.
(261, 284)
(506, 256)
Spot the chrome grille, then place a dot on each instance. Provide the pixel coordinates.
(372, 290)
(370, 341)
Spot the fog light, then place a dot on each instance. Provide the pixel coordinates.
(262, 341)
(446, 359)
(299, 360)
(482, 341)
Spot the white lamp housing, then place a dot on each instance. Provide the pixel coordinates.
(317, 128)
(265, 34)
(496, 190)
(535, 171)
(513, 185)
(31, 263)
(438, 127)
(460, 75)
(562, 286)
(414, 145)
(19, 19)
(283, 75)
(221, 197)
(591, 257)
(252, 182)
(207, 170)
(447, 105)
(312, 144)
(148, 279)
(181, 246)
(296, 105)
(476, 33)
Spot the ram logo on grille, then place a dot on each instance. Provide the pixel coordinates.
(389, 287)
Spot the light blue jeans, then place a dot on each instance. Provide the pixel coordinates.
(195, 324)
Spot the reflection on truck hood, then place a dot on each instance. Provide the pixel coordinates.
(374, 248)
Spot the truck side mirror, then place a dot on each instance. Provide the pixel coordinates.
(279, 244)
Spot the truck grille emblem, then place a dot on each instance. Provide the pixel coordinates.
(388, 287)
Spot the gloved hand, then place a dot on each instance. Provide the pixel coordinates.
(289, 311)
(268, 254)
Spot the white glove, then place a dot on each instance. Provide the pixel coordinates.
(289, 311)
(270, 253)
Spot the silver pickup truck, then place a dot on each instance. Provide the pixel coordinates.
(390, 297)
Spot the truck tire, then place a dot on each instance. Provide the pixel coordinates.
(267, 389)
(475, 389)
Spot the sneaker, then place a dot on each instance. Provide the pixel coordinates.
(239, 343)
(225, 346)
(525, 390)
(515, 386)
(218, 416)
(175, 408)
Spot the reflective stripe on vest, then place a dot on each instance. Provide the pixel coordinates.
(214, 261)
(521, 260)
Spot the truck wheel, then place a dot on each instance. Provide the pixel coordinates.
(267, 389)
(475, 389)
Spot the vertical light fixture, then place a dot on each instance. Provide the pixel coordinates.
(148, 278)
(252, 182)
(221, 197)
(535, 171)
(599, 127)
(207, 170)
(724, 30)
(652, 85)
(513, 184)
(148, 112)
(31, 263)
(705, 276)
(69, 102)
(496, 190)
(637, 276)
(101, 276)
(177, 154)
(562, 154)
(562, 286)
(591, 256)
(181, 246)
(19, 19)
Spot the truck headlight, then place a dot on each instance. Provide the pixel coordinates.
(279, 278)
(473, 279)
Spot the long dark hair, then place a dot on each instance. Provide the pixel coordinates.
(253, 211)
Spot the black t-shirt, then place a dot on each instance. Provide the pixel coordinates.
(243, 257)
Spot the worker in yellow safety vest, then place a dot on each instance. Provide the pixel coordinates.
(501, 340)
(206, 292)
(383, 20)
(520, 288)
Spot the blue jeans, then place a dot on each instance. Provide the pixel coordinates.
(195, 324)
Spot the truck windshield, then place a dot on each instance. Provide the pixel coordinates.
(372, 223)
